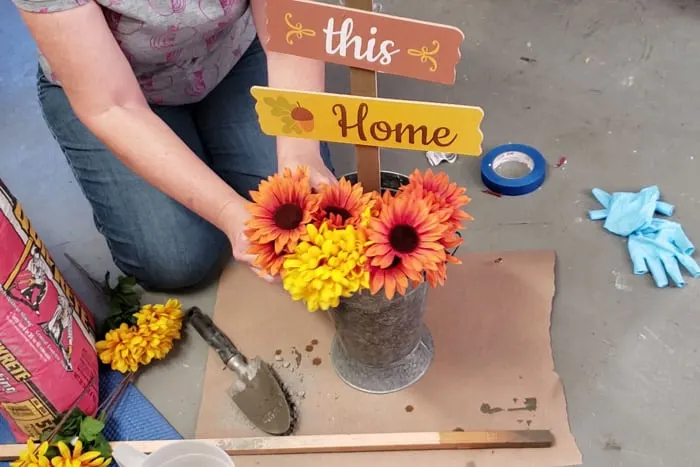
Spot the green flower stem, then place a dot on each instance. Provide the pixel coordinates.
(113, 399)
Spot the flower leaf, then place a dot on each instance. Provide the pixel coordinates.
(71, 427)
(117, 318)
(102, 446)
(53, 450)
(124, 300)
(90, 428)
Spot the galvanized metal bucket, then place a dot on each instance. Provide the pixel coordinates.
(382, 345)
(391, 181)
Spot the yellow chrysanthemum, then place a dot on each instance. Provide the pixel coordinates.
(158, 326)
(125, 348)
(165, 320)
(121, 348)
(366, 216)
(33, 457)
(332, 264)
(153, 345)
(77, 458)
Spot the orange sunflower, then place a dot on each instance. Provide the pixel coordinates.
(394, 279)
(405, 241)
(266, 258)
(342, 204)
(438, 276)
(280, 210)
(442, 196)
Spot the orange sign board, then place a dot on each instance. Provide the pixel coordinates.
(361, 39)
(370, 121)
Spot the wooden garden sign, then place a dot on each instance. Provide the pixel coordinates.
(363, 39)
(371, 122)
(368, 43)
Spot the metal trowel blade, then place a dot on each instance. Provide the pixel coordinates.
(262, 399)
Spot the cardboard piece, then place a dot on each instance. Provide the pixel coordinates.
(369, 121)
(362, 39)
(493, 367)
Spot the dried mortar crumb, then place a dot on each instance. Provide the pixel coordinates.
(297, 356)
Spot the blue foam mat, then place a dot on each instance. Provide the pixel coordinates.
(134, 417)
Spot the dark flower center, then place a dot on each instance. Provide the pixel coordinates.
(403, 238)
(338, 211)
(288, 216)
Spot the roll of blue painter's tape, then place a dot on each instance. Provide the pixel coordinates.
(527, 158)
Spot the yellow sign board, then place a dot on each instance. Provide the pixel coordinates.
(370, 121)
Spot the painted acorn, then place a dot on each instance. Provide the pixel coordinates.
(303, 117)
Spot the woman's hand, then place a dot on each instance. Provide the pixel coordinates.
(234, 217)
(296, 152)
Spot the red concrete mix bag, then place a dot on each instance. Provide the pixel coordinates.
(47, 336)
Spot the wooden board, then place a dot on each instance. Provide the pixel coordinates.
(493, 368)
(370, 121)
(363, 39)
(370, 442)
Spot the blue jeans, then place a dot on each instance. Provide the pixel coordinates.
(151, 236)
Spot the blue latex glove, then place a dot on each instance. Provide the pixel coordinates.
(625, 212)
(659, 248)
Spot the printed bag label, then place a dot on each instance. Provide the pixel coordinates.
(47, 336)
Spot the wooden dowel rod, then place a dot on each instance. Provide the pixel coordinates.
(311, 444)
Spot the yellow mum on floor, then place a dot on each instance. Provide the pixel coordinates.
(153, 345)
(77, 458)
(330, 265)
(162, 320)
(121, 348)
(33, 457)
(157, 326)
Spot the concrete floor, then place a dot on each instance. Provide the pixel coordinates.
(610, 88)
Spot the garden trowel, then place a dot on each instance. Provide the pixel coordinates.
(257, 390)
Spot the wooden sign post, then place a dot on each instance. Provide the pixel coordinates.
(364, 83)
(368, 43)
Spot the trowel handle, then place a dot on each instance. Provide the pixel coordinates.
(213, 335)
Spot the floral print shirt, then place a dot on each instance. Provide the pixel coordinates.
(179, 49)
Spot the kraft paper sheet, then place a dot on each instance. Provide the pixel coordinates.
(493, 367)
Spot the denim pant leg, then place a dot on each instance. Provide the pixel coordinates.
(228, 126)
(150, 235)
